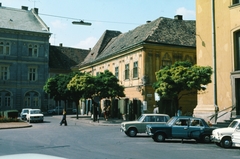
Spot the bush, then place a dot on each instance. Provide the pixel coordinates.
(3, 120)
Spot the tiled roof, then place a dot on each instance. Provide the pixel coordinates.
(65, 57)
(164, 31)
(101, 44)
(22, 19)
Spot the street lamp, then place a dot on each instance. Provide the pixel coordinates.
(81, 22)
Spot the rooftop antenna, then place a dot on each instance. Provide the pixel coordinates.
(34, 2)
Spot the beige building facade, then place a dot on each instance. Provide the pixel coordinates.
(135, 56)
(218, 46)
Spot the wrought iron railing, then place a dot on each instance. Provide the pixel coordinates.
(219, 112)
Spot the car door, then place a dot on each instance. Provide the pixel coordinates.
(146, 121)
(180, 128)
(195, 128)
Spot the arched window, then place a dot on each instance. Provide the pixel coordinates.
(31, 100)
(5, 100)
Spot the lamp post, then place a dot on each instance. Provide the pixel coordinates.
(81, 22)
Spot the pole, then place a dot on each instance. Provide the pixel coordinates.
(214, 61)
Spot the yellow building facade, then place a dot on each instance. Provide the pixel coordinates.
(135, 56)
(218, 46)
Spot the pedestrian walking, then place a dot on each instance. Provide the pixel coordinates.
(64, 118)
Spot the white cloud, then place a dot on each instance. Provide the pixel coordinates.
(187, 14)
(87, 43)
(57, 24)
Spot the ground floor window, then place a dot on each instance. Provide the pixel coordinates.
(5, 100)
(31, 99)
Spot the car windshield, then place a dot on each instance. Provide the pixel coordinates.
(141, 118)
(171, 121)
(25, 111)
(35, 111)
(233, 124)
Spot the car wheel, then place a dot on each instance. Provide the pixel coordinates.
(206, 139)
(132, 132)
(226, 142)
(159, 137)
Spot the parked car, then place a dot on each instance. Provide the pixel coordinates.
(57, 110)
(181, 127)
(236, 137)
(223, 136)
(35, 115)
(23, 113)
(131, 128)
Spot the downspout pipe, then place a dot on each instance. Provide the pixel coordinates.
(214, 62)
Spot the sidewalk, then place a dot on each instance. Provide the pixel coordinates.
(101, 121)
(81, 118)
(14, 125)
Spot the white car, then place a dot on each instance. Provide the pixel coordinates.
(24, 113)
(35, 115)
(131, 128)
(223, 136)
(236, 137)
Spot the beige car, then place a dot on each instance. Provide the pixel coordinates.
(131, 128)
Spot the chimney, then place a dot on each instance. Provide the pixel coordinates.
(0, 4)
(24, 8)
(60, 44)
(178, 17)
(35, 10)
(149, 21)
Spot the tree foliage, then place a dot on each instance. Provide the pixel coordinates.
(171, 80)
(104, 85)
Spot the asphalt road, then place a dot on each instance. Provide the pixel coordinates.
(86, 140)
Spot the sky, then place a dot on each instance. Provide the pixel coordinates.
(118, 15)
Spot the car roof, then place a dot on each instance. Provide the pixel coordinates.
(237, 120)
(155, 114)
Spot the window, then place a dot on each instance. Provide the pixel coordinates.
(5, 99)
(116, 72)
(4, 72)
(31, 99)
(236, 1)
(126, 71)
(135, 69)
(237, 50)
(32, 50)
(32, 74)
(4, 48)
(166, 61)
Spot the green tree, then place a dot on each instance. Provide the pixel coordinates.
(107, 86)
(172, 80)
(51, 88)
(57, 87)
(104, 85)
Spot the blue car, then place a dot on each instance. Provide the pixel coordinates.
(181, 127)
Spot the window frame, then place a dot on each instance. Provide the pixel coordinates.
(32, 75)
(33, 50)
(135, 69)
(5, 48)
(4, 74)
(127, 73)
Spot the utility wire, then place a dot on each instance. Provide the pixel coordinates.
(57, 16)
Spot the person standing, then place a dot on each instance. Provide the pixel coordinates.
(155, 110)
(179, 112)
(64, 118)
